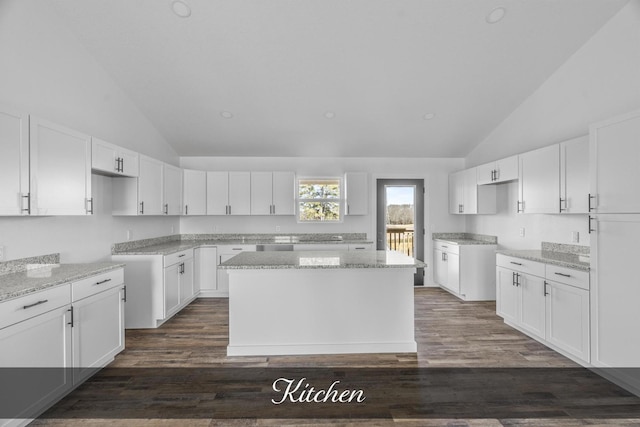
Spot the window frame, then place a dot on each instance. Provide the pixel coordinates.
(340, 200)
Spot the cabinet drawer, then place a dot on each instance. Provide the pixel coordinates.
(178, 257)
(520, 264)
(22, 308)
(360, 247)
(95, 284)
(451, 248)
(568, 276)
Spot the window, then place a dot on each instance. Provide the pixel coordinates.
(319, 200)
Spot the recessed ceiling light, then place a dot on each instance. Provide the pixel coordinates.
(329, 115)
(226, 114)
(496, 15)
(429, 116)
(180, 8)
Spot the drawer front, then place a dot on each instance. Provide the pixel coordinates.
(234, 249)
(28, 306)
(96, 284)
(360, 247)
(522, 265)
(451, 248)
(568, 276)
(178, 257)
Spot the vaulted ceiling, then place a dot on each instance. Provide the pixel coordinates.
(354, 78)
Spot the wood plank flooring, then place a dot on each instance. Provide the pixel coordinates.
(450, 334)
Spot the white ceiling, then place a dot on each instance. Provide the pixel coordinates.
(379, 65)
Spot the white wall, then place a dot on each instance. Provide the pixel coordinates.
(599, 81)
(45, 71)
(434, 171)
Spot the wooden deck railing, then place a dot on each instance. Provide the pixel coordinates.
(400, 239)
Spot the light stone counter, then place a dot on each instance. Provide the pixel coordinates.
(321, 260)
(549, 257)
(36, 277)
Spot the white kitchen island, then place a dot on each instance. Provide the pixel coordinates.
(321, 302)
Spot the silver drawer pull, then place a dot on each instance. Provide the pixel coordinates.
(562, 274)
(236, 249)
(103, 281)
(35, 303)
(180, 256)
(445, 246)
(516, 263)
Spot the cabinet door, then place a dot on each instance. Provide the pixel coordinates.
(506, 295)
(540, 181)
(506, 169)
(195, 192)
(614, 291)
(14, 162)
(614, 154)
(217, 193)
(453, 272)
(357, 193)
(42, 341)
(568, 319)
(172, 190)
(239, 193)
(103, 157)
(60, 170)
(486, 173)
(98, 331)
(284, 186)
(150, 192)
(186, 281)
(574, 176)
(205, 269)
(532, 303)
(439, 268)
(470, 191)
(456, 192)
(129, 162)
(171, 290)
(261, 193)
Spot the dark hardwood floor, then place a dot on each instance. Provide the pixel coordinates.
(450, 334)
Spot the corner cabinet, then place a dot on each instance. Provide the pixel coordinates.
(356, 193)
(272, 193)
(143, 195)
(467, 197)
(547, 302)
(14, 162)
(60, 170)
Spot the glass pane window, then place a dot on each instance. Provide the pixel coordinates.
(319, 200)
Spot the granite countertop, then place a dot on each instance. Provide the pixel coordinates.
(320, 259)
(170, 247)
(562, 259)
(466, 241)
(37, 277)
(465, 238)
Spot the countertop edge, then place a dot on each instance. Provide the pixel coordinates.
(567, 264)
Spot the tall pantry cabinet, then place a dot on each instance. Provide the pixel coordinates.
(614, 224)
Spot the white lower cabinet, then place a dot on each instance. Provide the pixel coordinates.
(206, 271)
(226, 252)
(159, 287)
(467, 271)
(78, 325)
(547, 302)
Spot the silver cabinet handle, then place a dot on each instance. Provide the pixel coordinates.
(589, 202)
(565, 202)
(180, 256)
(186, 209)
(516, 263)
(166, 208)
(562, 274)
(103, 281)
(89, 206)
(589, 226)
(545, 293)
(24, 307)
(28, 208)
(141, 208)
(518, 209)
(71, 322)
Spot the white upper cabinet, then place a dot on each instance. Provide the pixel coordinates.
(172, 194)
(498, 171)
(466, 197)
(539, 185)
(109, 159)
(14, 162)
(357, 193)
(60, 170)
(228, 193)
(194, 192)
(574, 176)
(615, 155)
(150, 192)
(272, 193)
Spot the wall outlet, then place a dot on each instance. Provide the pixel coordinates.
(173, 229)
(521, 231)
(575, 237)
(129, 235)
(277, 228)
(1, 253)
